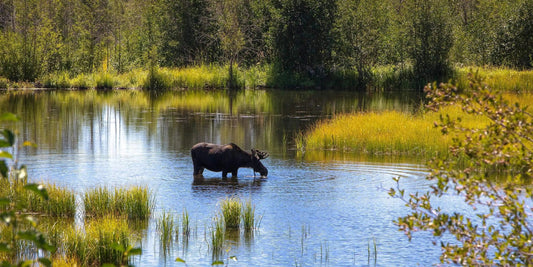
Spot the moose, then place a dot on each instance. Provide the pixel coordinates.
(226, 158)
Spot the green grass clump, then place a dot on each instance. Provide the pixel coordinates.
(104, 80)
(231, 211)
(97, 244)
(503, 79)
(157, 80)
(166, 228)
(61, 202)
(185, 225)
(134, 203)
(218, 233)
(248, 216)
(389, 133)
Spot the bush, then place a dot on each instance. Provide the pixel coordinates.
(498, 163)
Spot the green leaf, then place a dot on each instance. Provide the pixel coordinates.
(45, 261)
(217, 263)
(135, 251)
(178, 259)
(5, 154)
(108, 265)
(3, 169)
(4, 201)
(117, 247)
(4, 143)
(27, 235)
(8, 117)
(38, 189)
(4, 247)
(9, 137)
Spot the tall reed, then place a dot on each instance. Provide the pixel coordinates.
(231, 211)
(185, 225)
(96, 245)
(218, 233)
(248, 216)
(61, 202)
(135, 202)
(165, 227)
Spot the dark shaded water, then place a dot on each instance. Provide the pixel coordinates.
(316, 208)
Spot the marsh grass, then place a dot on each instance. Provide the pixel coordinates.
(166, 227)
(185, 225)
(503, 79)
(218, 232)
(104, 80)
(390, 133)
(96, 245)
(231, 211)
(248, 216)
(135, 203)
(61, 202)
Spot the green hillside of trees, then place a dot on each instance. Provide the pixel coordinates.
(300, 39)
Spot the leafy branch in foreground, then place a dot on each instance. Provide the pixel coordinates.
(491, 168)
(20, 226)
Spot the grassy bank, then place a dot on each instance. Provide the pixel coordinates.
(392, 132)
(217, 76)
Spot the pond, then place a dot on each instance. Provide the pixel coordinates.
(322, 208)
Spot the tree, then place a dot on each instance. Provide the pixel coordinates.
(303, 36)
(431, 39)
(491, 168)
(515, 42)
(188, 32)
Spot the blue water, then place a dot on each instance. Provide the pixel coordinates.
(313, 211)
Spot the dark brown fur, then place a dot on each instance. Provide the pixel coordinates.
(226, 159)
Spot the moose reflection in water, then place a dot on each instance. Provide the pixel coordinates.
(226, 158)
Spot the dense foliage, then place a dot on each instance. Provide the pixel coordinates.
(305, 39)
(493, 175)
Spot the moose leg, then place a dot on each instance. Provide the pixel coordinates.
(224, 174)
(198, 169)
(234, 174)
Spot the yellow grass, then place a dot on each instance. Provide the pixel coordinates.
(383, 133)
(392, 132)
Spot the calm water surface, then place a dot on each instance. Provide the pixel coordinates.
(316, 208)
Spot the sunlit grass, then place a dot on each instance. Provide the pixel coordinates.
(61, 202)
(165, 226)
(383, 133)
(503, 79)
(248, 216)
(135, 202)
(217, 234)
(95, 245)
(231, 211)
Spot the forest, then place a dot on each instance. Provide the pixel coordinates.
(320, 43)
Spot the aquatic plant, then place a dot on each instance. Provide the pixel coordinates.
(165, 227)
(98, 243)
(61, 202)
(185, 225)
(231, 210)
(135, 202)
(248, 216)
(217, 233)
